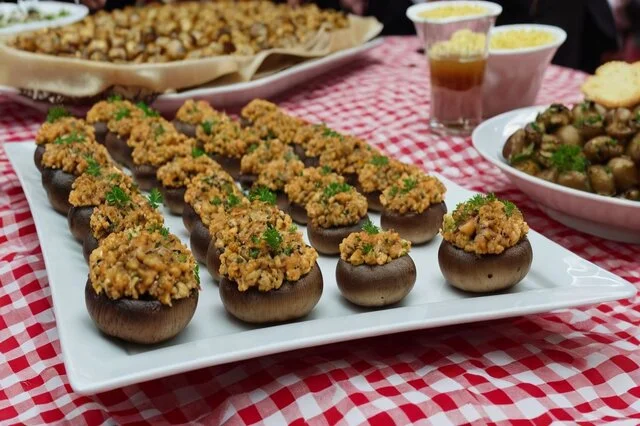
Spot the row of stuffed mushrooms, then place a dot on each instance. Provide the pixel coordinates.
(587, 147)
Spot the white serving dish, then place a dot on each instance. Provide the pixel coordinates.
(606, 217)
(235, 94)
(95, 363)
(513, 77)
(76, 13)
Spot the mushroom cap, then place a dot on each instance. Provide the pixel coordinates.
(174, 198)
(186, 129)
(327, 240)
(79, 218)
(37, 156)
(138, 320)
(376, 285)
(189, 216)
(213, 260)
(291, 301)
(485, 273)
(418, 228)
(298, 213)
(145, 176)
(230, 164)
(373, 200)
(199, 240)
(100, 129)
(58, 184)
(119, 150)
(89, 244)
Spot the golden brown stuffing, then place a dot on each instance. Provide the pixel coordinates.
(183, 30)
(105, 111)
(413, 193)
(263, 153)
(225, 137)
(201, 185)
(65, 128)
(122, 213)
(258, 108)
(336, 205)
(346, 154)
(277, 173)
(485, 225)
(373, 247)
(90, 188)
(301, 188)
(262, 248)
(139, 263)
(179, 171)
(75, 157)
(195, 112)
(218, 202)
(155, 148)
(124, 120)
(317, 139)
(381, 172)
(278, 125)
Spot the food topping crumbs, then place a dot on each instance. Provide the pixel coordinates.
(75, 158)
(148, 262)
(121, 212)
(179, 171)
(201, 185)
(219, 202)
(337, 204)
(225, 137)
(413, 194)
(484, 225)
(91, 187)
(381, 172)
(154, 147)
(263, 153)
(301, 188)
(348, 155)
(277, 173)
(195, 112)
(371, 246)
(258, 108)
(105, 111)
(66, 128)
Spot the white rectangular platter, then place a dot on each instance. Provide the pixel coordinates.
(94, 363)
(235, 94)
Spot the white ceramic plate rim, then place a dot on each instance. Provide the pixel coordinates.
(413, 12)
(559, 33)
(496, 158)
(76, 13)
(92, 368)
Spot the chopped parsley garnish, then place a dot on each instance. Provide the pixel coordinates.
(536, 127)
(148, 111)
(232, 200)
(593, 119)
(155, 198)
(335, 188)
(465, 210)
(56, 113)
(164, 231)
(197, 152)
(158, 131)
(72, 137)
(408, 185)
(569, 158)
(394, 191)
(367, 248)
(273, 238)
(252, 147)
(325, 170)
(509, 207)
(370, 228)
(255, 239)
(93, 168)
(114, 98)
(612, 141)
(287, 251)
(216, 201)
(182, 257)
(380, 160)
(293, 228)
(254, 252)
(524, 155)
(113, 176)
(196, 273)
(262, 194)
(330, 133)
(121, 113)
(116, 196)
(271, 135)
(207, 127)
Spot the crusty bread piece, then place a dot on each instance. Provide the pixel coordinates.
(615, 84)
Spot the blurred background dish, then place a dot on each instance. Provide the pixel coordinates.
(514, 72)
(606, 217)
(33, 15)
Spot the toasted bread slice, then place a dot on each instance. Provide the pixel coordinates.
(616, 84)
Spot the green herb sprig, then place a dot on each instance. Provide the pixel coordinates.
(370, 228)
(335, 188)
(72, 137)
(379, 160)
(272, 237)
(197, 152)
(56, 113)
(569, 158)
(117, 197)
(263, 194)
(93, 167)
(147, 110)
(155, 198)
(207, 127)
(121, 113)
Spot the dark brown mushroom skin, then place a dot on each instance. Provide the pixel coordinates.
(186, 129)
(145, 176)
(550, 175)
(602, 148)
(37, 157)
(139, 320)
(351, 178)
(89, 244)
(189, 216)
(298, 213)
(515, 144)
(327, 240)
(633, 149)
(376, 285)
(574, 179)
(624, 171)
(485, 273)
(601, 180)
(119, 150)
(419, 228)
(199, 240)
(230, 165)
(301, 153)
(247, 180)
(213, 260)
(58, 184)
(173, 198)
(79, 218)
(291, 301)
(282, 201)
(100, 129)
(373, 200)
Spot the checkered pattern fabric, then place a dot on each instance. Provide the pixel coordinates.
(566, 366)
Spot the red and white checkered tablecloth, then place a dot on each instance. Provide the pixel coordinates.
(566, 366)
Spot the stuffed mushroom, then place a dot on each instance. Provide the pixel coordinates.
(300, 189)
(191, 114)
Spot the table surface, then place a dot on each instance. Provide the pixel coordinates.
(570, 365)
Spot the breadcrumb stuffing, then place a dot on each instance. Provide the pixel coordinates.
(90, 189)
(179, 171)
(105, 111)
(277, 173)
(64, 127)
(413, 194)
(156, 142)
(225, 137)
(74, 158)
(108, 218)
(263, 153)
(195, 112)
(485, 225)
(140, 263)
(373, 249)
(381, 172)
(301, 188)
(336, 205)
